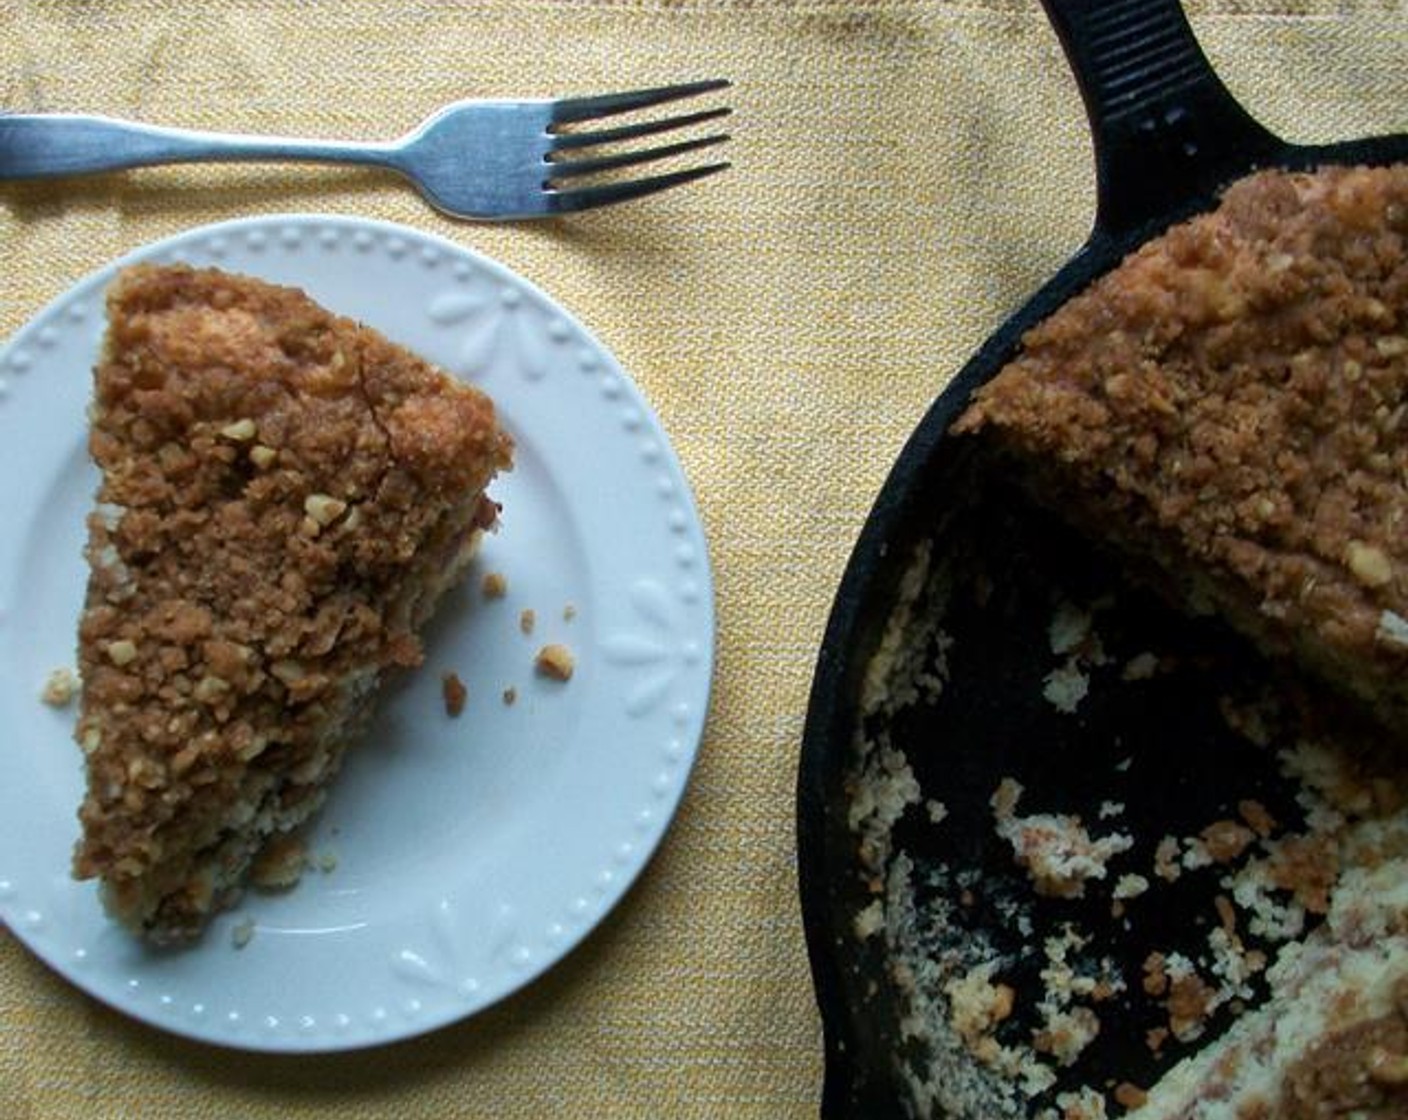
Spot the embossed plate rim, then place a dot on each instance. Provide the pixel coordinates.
(452, 942)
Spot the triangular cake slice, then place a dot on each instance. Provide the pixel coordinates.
(1230, 408)
(285, 496)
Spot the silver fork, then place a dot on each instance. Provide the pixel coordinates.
(472, 159)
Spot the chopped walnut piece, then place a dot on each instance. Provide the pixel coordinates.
(240, 430)
(288, 671)
(493, 585)
(323, 508)
(527, 620)
(210, 690)
(1370, 565)
(555, 661)
(122, 652)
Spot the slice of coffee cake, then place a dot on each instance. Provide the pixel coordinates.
(285, 496)
(1229, 408)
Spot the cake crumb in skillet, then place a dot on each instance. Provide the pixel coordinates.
(1056, 849)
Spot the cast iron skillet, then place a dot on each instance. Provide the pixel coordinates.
(1168, 136)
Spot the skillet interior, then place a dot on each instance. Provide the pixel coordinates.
(992, 721)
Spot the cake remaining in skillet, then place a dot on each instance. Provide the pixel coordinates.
(1230, 407)
(285, 496)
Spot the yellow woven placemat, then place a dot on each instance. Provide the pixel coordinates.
(906, 171)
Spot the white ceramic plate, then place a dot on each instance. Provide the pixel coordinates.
(471, 853)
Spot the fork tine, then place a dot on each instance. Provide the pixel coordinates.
(568, 169)
(563, 141)
(586, 108)
(587, 198)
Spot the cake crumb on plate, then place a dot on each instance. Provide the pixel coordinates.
(454, 692)
(556, 661)
(60, 687)
(243, 933)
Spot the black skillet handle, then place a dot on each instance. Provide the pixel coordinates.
(1166, 129)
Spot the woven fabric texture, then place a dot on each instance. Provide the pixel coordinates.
(905, 173)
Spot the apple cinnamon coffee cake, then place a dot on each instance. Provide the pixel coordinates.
(1229, 407)
(285, 495)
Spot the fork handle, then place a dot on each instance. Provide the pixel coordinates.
(50, 146)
